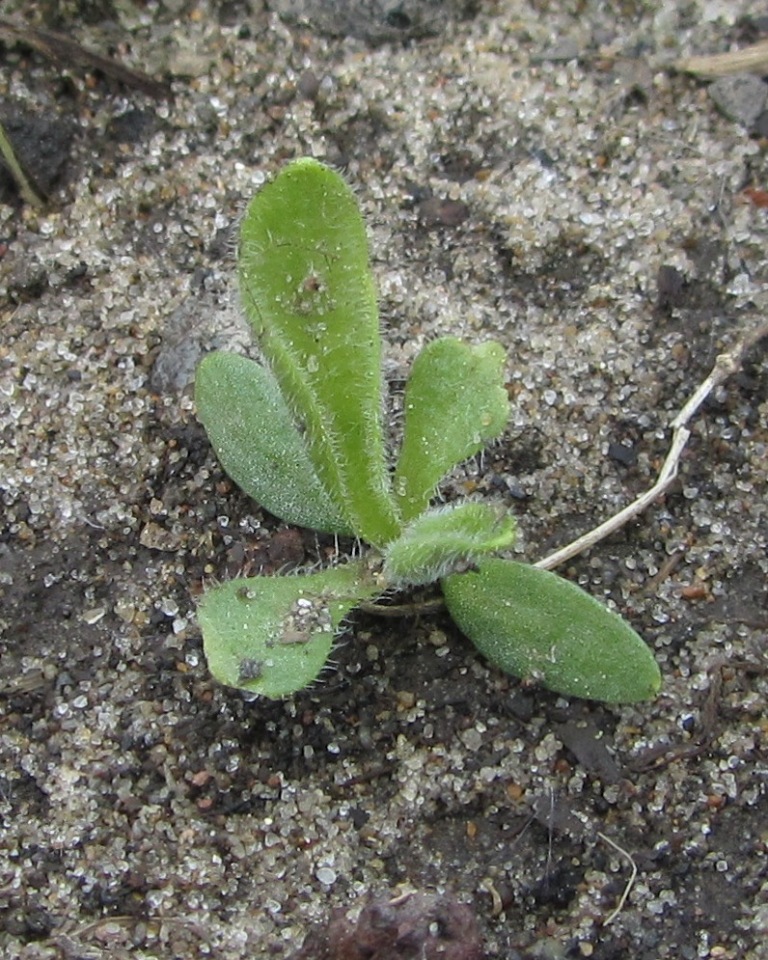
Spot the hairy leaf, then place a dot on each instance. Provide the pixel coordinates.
(273, 635)
(445, 540)
(532, 623)
(455, 402)
(260, 447)
(311, 301)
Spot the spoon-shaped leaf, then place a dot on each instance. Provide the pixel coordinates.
(255, 438)
(532, 623)
(455, 402)
(445, 540)
(310, 298)
(273, 635)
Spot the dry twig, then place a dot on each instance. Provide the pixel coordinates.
(630, 883)
(725, 365)
(64, 51)
(752, 59)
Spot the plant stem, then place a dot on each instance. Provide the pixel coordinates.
(23, 181)
(752, 59)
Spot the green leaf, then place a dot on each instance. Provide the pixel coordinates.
(532, 623)
(455, 402)
(273, 635)
(444, 540)
(311, 300)
(254, 436)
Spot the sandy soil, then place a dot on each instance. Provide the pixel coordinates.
(536, 173)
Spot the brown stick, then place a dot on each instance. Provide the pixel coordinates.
(64, 51)
(752, 59)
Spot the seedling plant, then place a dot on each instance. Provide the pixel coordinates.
(302, 433)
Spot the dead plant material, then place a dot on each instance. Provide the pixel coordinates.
(66, 53)
(752, 59)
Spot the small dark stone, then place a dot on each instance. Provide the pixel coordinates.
(741, 97)
(515, 489)
(435, 212)
(627, 456)
(521, 705)
(133, 126)
(670, 288)
(309, 84)
(399, 20)
(359, 817)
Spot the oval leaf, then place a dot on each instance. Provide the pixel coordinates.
(532, 623)
(455, 402)
(310, 298)
(445, 540)
(255, 438)
(273, 635)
